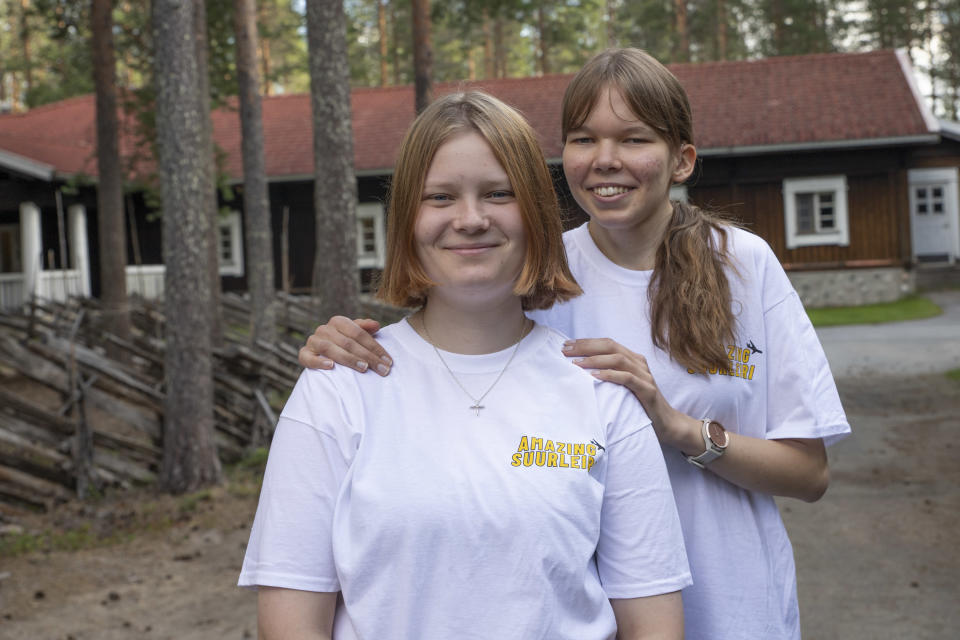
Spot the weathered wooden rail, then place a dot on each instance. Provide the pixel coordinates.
(72, 417)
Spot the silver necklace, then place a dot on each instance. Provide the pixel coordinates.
(476, 406)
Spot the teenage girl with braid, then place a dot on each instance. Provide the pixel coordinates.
(702, 326)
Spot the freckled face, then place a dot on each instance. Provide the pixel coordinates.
(469, 231)
(619, 169)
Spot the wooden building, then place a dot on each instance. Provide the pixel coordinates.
(834, 159)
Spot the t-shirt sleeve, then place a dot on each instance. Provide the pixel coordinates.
(640, 551)
(291, 540)
(802, 397)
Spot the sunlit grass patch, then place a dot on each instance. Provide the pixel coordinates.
(908, 308)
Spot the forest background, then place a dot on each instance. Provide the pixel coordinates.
(167, 62)
(45, 52)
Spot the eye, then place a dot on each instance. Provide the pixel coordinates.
(636, 140)
(500, 194)
(438, 198)
(579, 140)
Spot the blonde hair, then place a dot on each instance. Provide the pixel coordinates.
(545, 278)
(691, 311)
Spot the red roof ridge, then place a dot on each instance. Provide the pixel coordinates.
(51, 106)
(774, 60)
(815, 99)
(78, 143)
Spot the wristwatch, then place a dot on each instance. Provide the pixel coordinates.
(715, 439)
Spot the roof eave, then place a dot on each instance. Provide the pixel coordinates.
(950, 129)
(932, 124)
(27, 166)
(824, 145)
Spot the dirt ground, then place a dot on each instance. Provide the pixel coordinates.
(877, 557)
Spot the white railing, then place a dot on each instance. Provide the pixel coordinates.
(11, 291)
(146, 280)
(59, 285)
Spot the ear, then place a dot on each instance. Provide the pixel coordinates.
(686, 159)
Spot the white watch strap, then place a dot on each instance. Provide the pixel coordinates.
(712, 451)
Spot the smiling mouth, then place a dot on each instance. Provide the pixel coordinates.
(472, 248)
(606, 191)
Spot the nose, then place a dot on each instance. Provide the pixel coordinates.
(471, 217)
(607, 156)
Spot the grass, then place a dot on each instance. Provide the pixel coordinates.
(138, 513)
(81, 537)
(953, 374)
(908, 308)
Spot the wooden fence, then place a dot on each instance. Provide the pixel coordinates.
(72, 418)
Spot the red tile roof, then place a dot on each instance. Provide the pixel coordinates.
(793, 100)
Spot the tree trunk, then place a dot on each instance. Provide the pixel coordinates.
(382, 33)
(610, 17)
(189, 451)
(3, 73)
(25, 44)
(499, 53)
(265, 57)
(422, 54)
(395, 47)
(256, 199)
(110, 218)
(682, 32)
(209, 176)
(542, 40)
(488, 66)
(14, 31)
(335, 281)
(266, 51)
(721, 30)
(776, 17)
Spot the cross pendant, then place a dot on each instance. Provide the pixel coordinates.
(477, 406)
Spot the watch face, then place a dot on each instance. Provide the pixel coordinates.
(718, 435)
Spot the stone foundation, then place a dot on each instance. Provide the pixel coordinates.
(851, 287)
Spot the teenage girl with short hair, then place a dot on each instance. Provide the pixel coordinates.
(488, 488)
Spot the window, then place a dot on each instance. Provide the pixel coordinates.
(816, 211)
(928, 200)
(370, 235)
(231, 245)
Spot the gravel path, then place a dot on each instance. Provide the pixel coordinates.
(898, 348)
(877, 557)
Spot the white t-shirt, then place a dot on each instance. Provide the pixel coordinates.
(437, 523)
(744, 582)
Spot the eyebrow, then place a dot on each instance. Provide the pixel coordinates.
(485, 184)
(639, 127)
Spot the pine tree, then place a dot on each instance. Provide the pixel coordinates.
(189, 451)
(335, 280)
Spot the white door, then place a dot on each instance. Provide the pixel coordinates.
(934, 215)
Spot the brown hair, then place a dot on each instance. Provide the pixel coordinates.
(545, 278)
(691, 314)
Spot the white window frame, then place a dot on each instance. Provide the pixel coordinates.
(371, 211)
(840, 234)
(234, 266)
